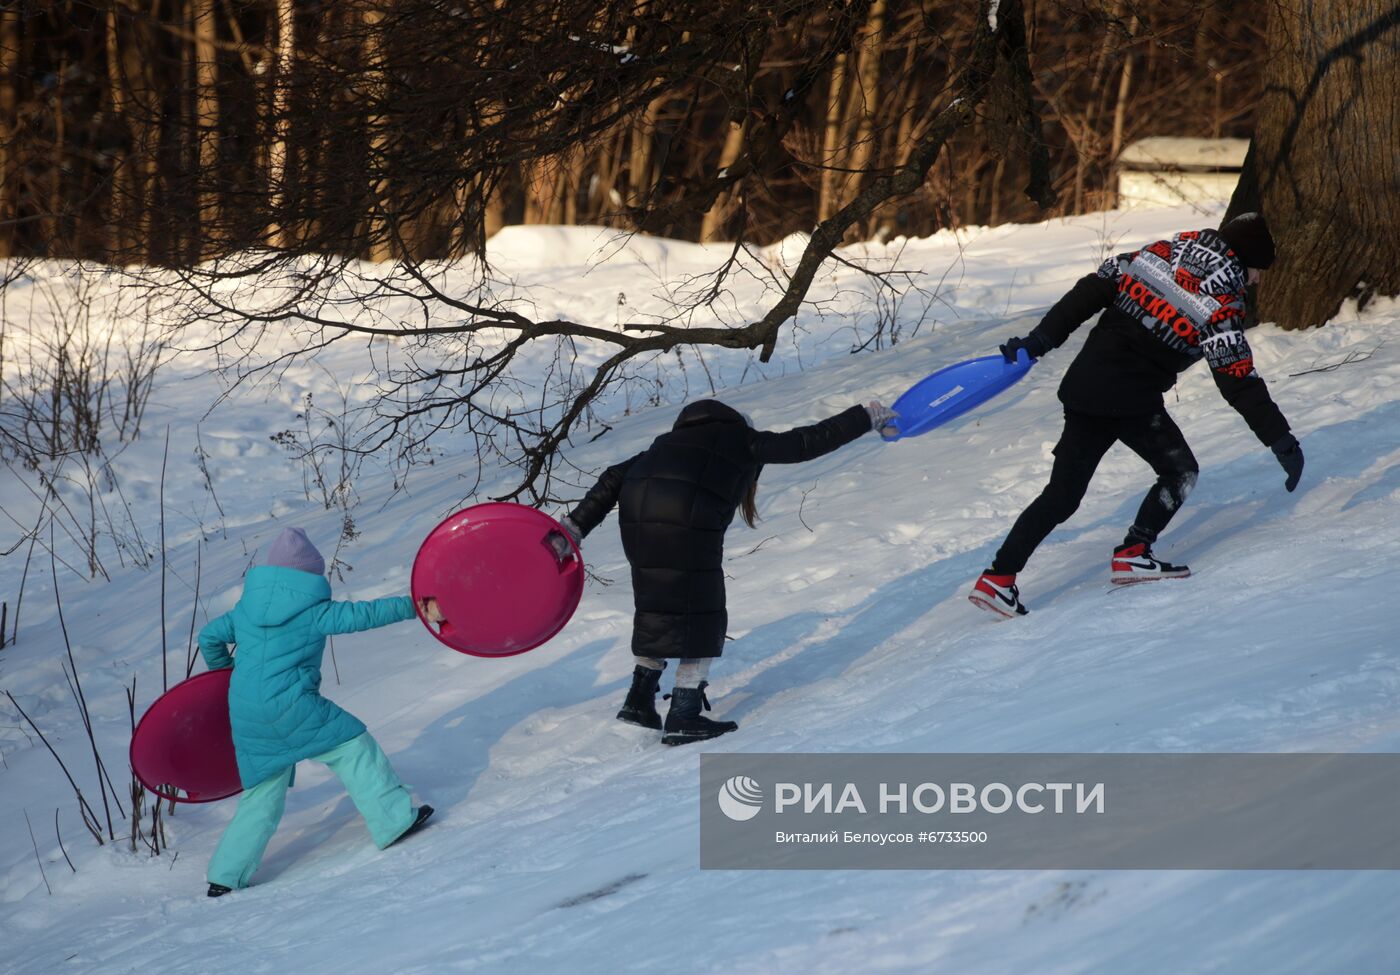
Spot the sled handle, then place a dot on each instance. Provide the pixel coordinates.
(441, 624)
(566, 564)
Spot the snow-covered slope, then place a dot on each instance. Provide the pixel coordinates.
(565, 841)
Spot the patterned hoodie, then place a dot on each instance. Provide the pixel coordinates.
(1165, 307)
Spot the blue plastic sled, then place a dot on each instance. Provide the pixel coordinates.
(951, 392)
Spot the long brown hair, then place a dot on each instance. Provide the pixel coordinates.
(748, 508)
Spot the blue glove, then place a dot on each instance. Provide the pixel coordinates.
(1290, 457)
(1032, 343)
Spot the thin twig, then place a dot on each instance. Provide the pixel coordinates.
(800, 505)
(759, 545)
(191, 651)
(60, 840)
(82, 699)
(97, 835)
(24, 576)
(137, 788)
(209, 480)
(158, 825)
(1350, 358)
(164, 675)
(37, 859)
(110, 784)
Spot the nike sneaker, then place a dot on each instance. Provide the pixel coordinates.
(1136, 563)
(998, 594)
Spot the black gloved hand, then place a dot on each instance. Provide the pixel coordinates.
(1290, 458)
(1034, 347)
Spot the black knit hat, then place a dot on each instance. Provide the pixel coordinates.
(1248, 236)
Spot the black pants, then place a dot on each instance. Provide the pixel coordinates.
(1154, 437)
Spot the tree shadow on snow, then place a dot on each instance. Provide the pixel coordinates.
(1236, 498)
(887, 612)
(1230, 499)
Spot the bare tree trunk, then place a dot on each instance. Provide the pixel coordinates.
(1120, 110)
(60, 129)
(912, 90)
(9, 155)
(380, 237)
(1086, 149)
(640, 179)
(869, 108)
(827, 199)
(146, 144)
(207, 122)
(187, 235)
(608, 167)
(495, 212)
(712, 226)
(119, 193)
(571, 171)
(1324, 165)
(543, 203)
(278, 235)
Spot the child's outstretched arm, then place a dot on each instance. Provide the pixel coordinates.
(351, 617)
(600, 498)
(214, 642)
(810, 442)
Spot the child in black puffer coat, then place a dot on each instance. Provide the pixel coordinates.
(675, 501)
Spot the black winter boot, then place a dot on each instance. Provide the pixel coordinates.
(218, 890)
(684, 723)
(640, 706)
(419, 818)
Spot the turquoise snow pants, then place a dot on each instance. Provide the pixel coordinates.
(364, 769)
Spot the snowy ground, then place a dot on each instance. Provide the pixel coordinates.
(565, 841)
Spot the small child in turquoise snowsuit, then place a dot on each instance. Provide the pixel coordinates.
(278, 715)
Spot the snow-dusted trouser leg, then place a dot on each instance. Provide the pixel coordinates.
(692, 671)
(378, 794)
(1158, 440)
(245, 840)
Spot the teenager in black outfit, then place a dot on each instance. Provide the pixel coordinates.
(675, 500)
(1164, 307)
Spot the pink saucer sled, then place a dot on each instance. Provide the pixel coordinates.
(183, 747)
(497, 580)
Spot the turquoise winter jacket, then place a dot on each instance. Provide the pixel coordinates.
(280, 626)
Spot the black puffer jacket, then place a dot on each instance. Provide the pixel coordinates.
(675, 500)
(1168, 306)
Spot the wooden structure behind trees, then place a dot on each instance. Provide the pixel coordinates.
(170, 131)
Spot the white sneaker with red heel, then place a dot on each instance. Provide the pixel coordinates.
(997, 594)
(1136, 563)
